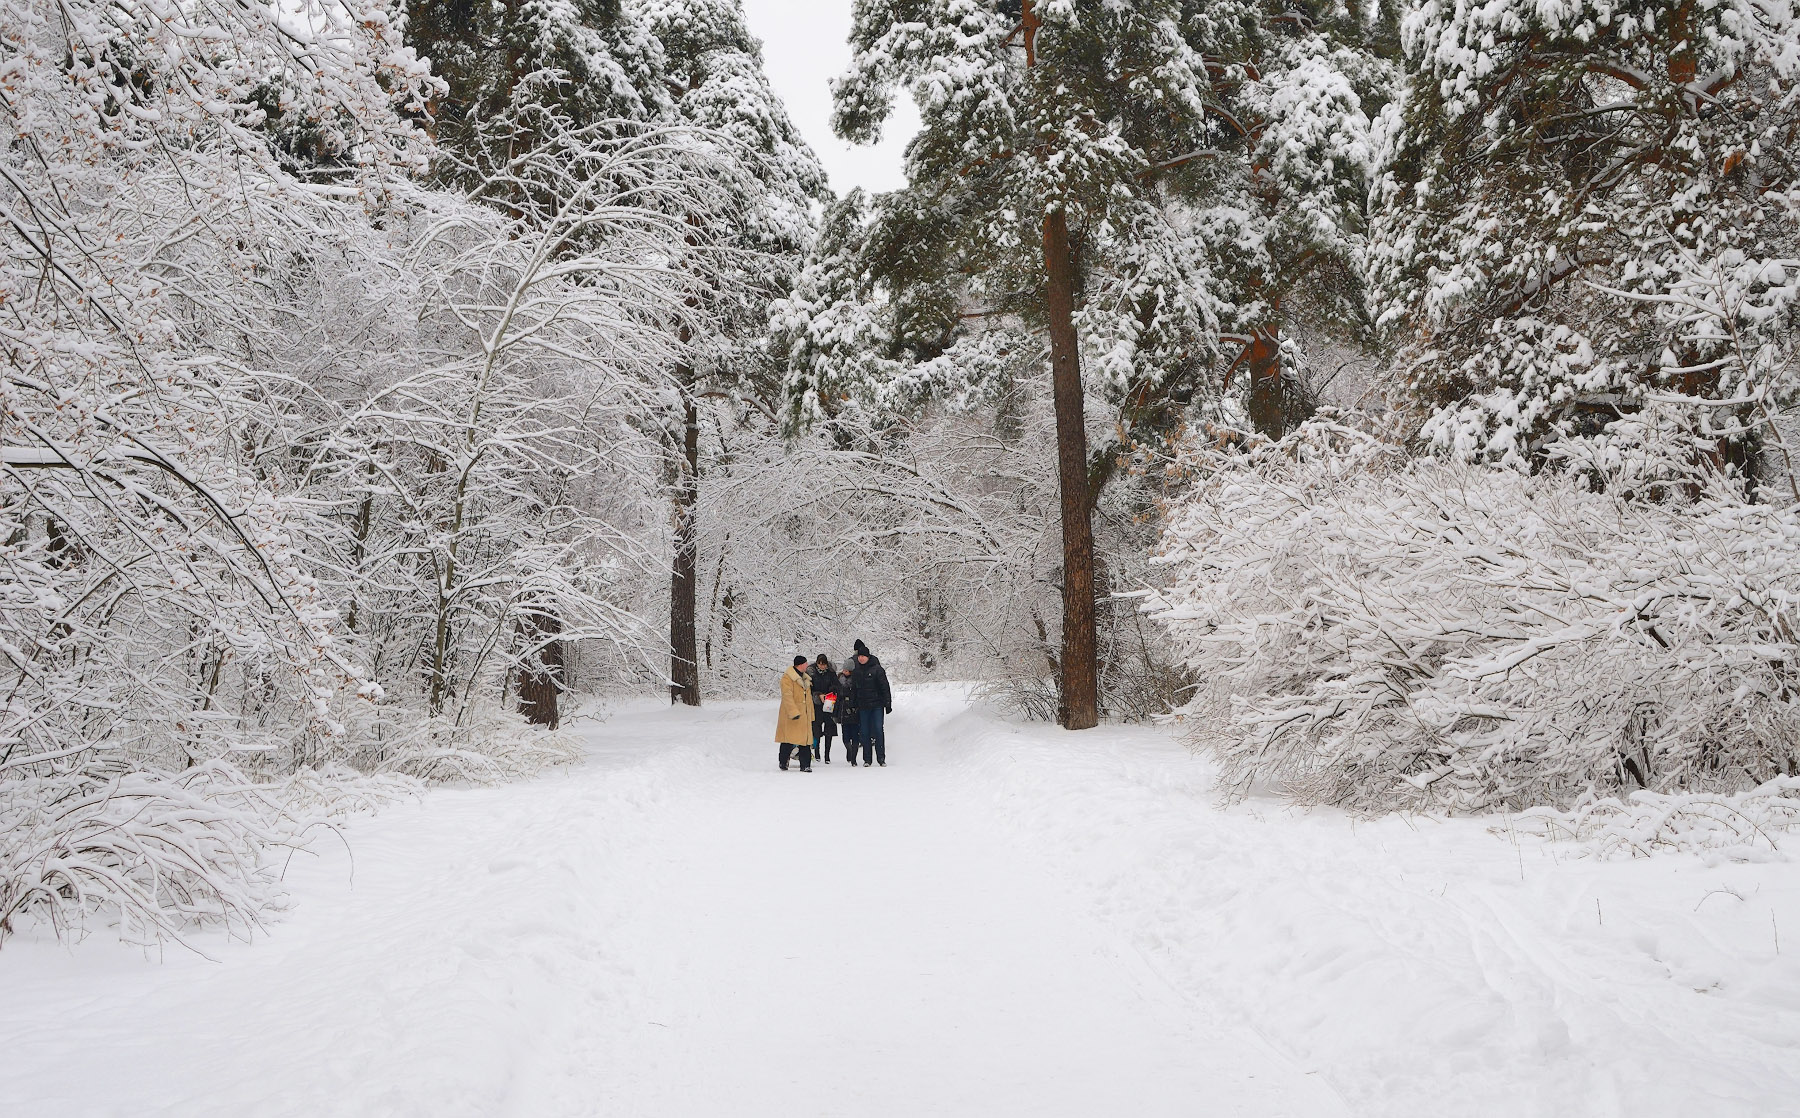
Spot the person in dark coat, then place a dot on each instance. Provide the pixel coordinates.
(874, 701)
(824, 683)
(846, 715)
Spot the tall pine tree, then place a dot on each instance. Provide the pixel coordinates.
(1027, 217)
(1277, 196)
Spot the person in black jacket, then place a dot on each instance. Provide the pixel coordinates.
(874, 701)
(847, 716)
(824, 682)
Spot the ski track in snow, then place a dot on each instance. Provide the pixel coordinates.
(1009, 920)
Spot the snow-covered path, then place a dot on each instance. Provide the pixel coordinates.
(1007, 920)
(677, 929)
(868, 941)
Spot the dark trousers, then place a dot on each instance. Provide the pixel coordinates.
(805, 753)
(873, 733)
(852, 724)
(824, 729)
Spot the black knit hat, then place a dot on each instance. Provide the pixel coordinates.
(861, 648)
(799, 660)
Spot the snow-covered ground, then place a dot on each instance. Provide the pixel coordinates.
(1008, 920)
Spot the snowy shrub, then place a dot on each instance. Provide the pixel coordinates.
(1749, 826)
(158, 854)
(489, 746)
(1381, 633)
(160, 605)
(152, 852)
(335, 791)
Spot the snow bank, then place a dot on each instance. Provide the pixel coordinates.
(160, 855)
(442, 961)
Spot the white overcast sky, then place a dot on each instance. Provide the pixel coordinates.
(804, 47)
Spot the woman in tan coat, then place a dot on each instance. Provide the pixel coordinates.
(794, 725)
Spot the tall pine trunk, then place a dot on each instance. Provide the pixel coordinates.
(684, 652)
(1268, 403)
(1080, 705)
(1079, 708)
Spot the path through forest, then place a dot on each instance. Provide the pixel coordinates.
(673, 928)
(870, 941)
(1007, 920)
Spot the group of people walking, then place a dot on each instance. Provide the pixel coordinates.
(817, 700)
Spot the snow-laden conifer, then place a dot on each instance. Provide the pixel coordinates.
(1275, 201)
(1568, 184)
(494, 59)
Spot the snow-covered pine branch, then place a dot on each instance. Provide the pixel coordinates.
(1559, 181)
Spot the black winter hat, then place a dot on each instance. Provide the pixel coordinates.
(798, 660)
(861, 648)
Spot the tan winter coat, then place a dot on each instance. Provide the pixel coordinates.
(793, 726)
